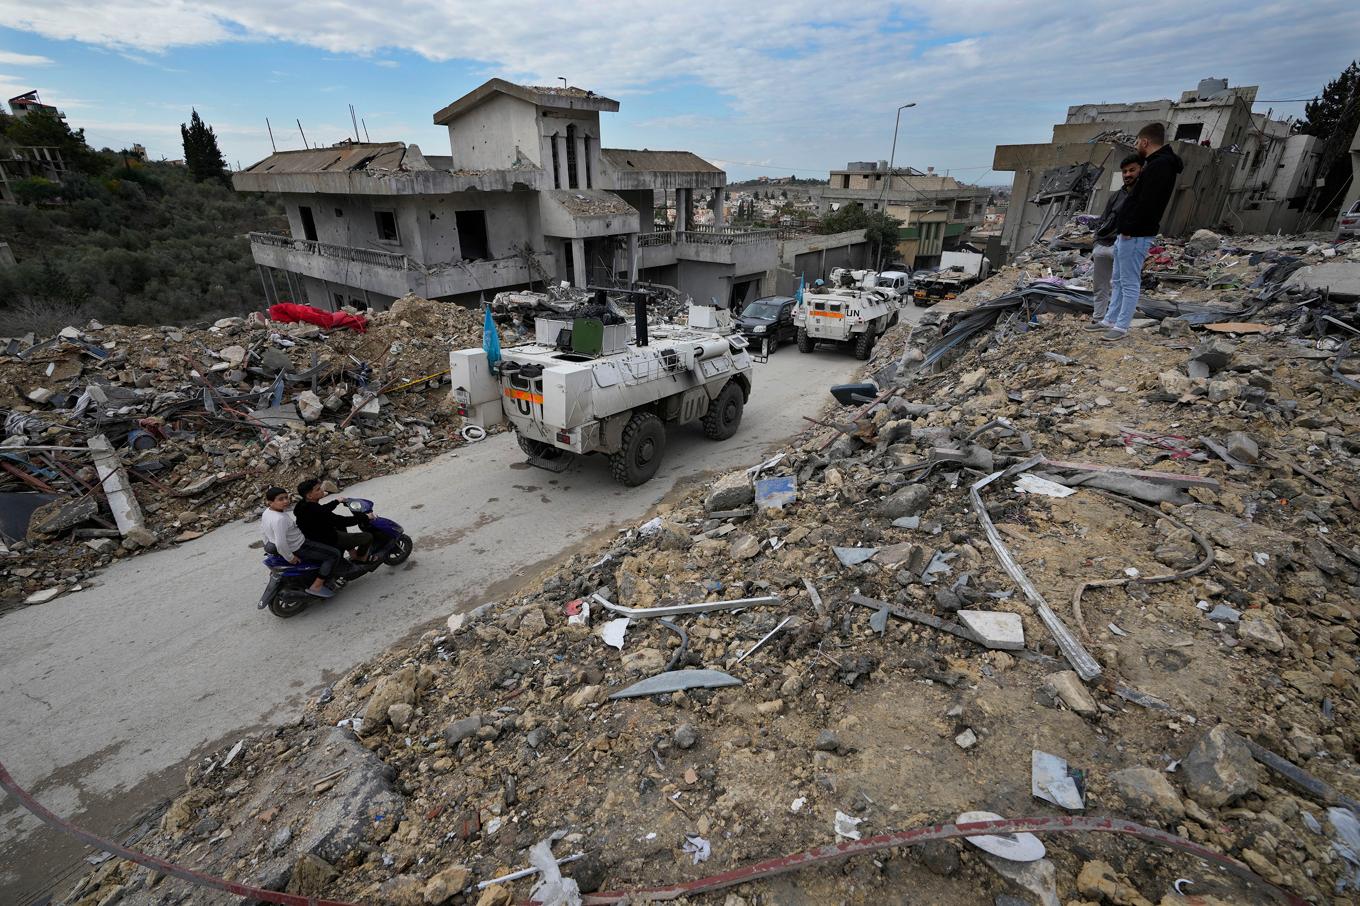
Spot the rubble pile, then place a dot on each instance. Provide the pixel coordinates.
(200, 420)
(1045, 576)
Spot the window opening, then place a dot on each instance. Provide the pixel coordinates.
(472, 238)
(387, 226)
(308, 223)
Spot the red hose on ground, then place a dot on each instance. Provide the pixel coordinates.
(833, 851)
(760, 870)
(141, 858)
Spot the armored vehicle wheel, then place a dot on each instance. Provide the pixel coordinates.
(644, 443)
(724, 413)
(863, 344)
(805, 342)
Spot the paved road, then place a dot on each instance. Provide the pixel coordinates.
(109, 692)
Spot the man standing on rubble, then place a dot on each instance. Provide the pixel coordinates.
(320, 523)
(1107, 230)
(282, 532)
(1139, 220)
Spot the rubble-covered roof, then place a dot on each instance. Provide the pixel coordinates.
(543, 96)
(657, 161)
(590, 202)
(340, 158)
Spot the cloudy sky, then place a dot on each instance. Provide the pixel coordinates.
(793, 87)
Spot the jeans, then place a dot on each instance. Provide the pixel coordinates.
(1102, 263)
(1127, 281)
(319, 553)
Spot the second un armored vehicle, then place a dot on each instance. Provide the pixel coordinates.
(850, 317)
(585, 386)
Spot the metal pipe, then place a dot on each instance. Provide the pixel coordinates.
(679, 609)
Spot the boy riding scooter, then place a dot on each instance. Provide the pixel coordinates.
(283, 534)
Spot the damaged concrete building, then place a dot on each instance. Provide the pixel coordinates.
(528, 195)
(1244, 171)
(937, 211)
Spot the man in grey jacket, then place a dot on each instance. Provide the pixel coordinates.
(1107, 230)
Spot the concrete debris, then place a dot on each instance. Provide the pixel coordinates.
(874, 700)
(995, 629)
(1219, 769)
(211, 410)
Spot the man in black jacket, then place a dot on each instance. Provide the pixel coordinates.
(1107, 230)
(320, 523)
(1139, 220)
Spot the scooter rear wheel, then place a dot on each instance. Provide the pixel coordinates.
(286, 607)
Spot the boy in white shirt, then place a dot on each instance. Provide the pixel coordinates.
(279, 529)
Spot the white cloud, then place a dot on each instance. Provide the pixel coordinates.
(801, 83)
(10, 58)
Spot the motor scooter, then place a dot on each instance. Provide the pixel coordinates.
(286, 594)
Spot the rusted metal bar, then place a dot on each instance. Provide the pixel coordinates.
(30, 480)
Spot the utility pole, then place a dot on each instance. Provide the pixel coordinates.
(892, 159)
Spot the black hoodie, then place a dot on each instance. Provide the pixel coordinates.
(1142, 212)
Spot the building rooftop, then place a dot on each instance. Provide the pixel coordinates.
(657, 161)
(347, 157)
(569, 98)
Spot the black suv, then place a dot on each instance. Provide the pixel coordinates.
(768, 321)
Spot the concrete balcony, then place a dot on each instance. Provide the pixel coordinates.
(392, 273)
(745, 250)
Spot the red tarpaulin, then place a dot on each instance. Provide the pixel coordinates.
(288, 313)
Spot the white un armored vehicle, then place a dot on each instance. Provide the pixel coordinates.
(586, 386)
(847, 315)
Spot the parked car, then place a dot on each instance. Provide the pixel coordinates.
(768, 322)
(1348, 222)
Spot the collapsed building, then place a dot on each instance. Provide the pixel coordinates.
(527, 196)
(1244, 171)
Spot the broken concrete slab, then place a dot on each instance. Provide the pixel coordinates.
(1341, 279)
(59, 515)
(279, 417)
(731, 492)
(47, 594)
(995, 629)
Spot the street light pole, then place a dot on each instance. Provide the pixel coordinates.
(892, 159)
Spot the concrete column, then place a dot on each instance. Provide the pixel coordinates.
(560, 144)
(578, 262)
(681, 210)
(719, 199)
(632, 258)
(580, 161)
